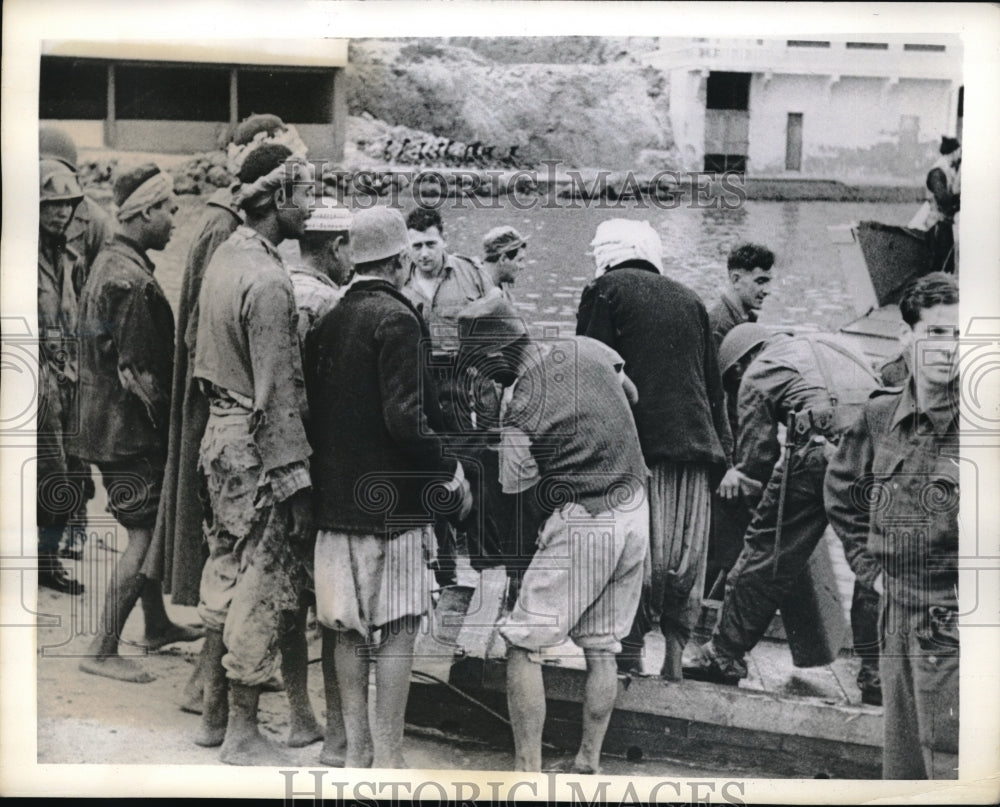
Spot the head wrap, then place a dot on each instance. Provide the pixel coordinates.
(287, 136)
(332, 218)
(151, 192)
(620, 240)
(251, 194)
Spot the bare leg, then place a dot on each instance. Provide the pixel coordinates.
(124, 589)
(598, 703)
(351, 662)
(194, 689)
(160, 630)
(244, 744)
(392, 688)
(303, 728)
(215, 707)
(526, 704)
(335, 746)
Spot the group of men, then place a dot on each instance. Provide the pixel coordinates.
(333, 431)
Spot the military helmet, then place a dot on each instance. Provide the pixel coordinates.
(740, 341)
(57, 183)
(55, 144)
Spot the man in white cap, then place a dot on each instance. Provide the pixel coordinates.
(255, 459)
(662, 331)
(324, 267)
(379, 469)
(503, 257)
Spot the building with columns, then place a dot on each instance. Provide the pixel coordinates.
(863, 107)
(184, 97)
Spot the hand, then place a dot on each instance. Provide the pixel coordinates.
(300, 505)
(735, 483)
(466, 492)
(879, 585)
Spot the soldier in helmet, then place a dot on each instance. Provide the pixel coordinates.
(89, 230)
(60, 492)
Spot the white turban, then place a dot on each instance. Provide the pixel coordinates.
(151, 192)
(288, 137)
(619, 240)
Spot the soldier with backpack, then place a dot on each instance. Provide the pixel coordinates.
(814, 385)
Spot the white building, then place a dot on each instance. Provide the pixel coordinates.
(859, 107)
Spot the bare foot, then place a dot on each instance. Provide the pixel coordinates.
(571, 766)
(121, 669)
(253, 749)
(395, 761)
(301, 736)
(174, 633)
(193, 705)
(359, 759)
(334, 753)
(210, 736)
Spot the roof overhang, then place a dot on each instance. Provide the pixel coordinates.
(286, 52)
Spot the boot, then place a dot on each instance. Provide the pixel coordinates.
(51, 574)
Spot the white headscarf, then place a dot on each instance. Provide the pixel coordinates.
(619, 240)
(151, 192)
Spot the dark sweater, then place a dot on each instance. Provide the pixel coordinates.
(661, 329)
(378, 459)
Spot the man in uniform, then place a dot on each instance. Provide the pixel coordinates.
(504, 249)
(254, 456)
(661, 330)
(892, 498)
(378, 467)
(781, 376)
(944, 191)
(60, 196)
(88, 232)
(127, 343)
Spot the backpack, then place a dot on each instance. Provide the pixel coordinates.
(846, 376)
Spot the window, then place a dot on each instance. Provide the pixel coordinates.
(725, 163)
(171, 93)
(727, 91)
(295, 96)
(72, 89)
(927, 48)
(807, 43)
(868, 46)
(793, 142)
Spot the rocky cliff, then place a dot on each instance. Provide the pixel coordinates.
(585, 101)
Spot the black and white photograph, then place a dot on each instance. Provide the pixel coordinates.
(491, 401)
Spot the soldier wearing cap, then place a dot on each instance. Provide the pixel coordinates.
(126, 357)
(60, 196)
(503, 249)
(569, 448)
(381, 476)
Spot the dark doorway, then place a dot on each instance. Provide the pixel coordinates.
(727, 121)
(793, 142)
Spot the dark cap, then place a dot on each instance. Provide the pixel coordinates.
(949, 144)
(490, 322)
(502, 239)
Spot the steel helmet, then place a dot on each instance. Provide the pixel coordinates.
(57, 183)
(740, 341)
(55, 144)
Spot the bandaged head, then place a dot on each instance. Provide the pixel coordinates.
(140, 189)
(620, 240)
(266, 169)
